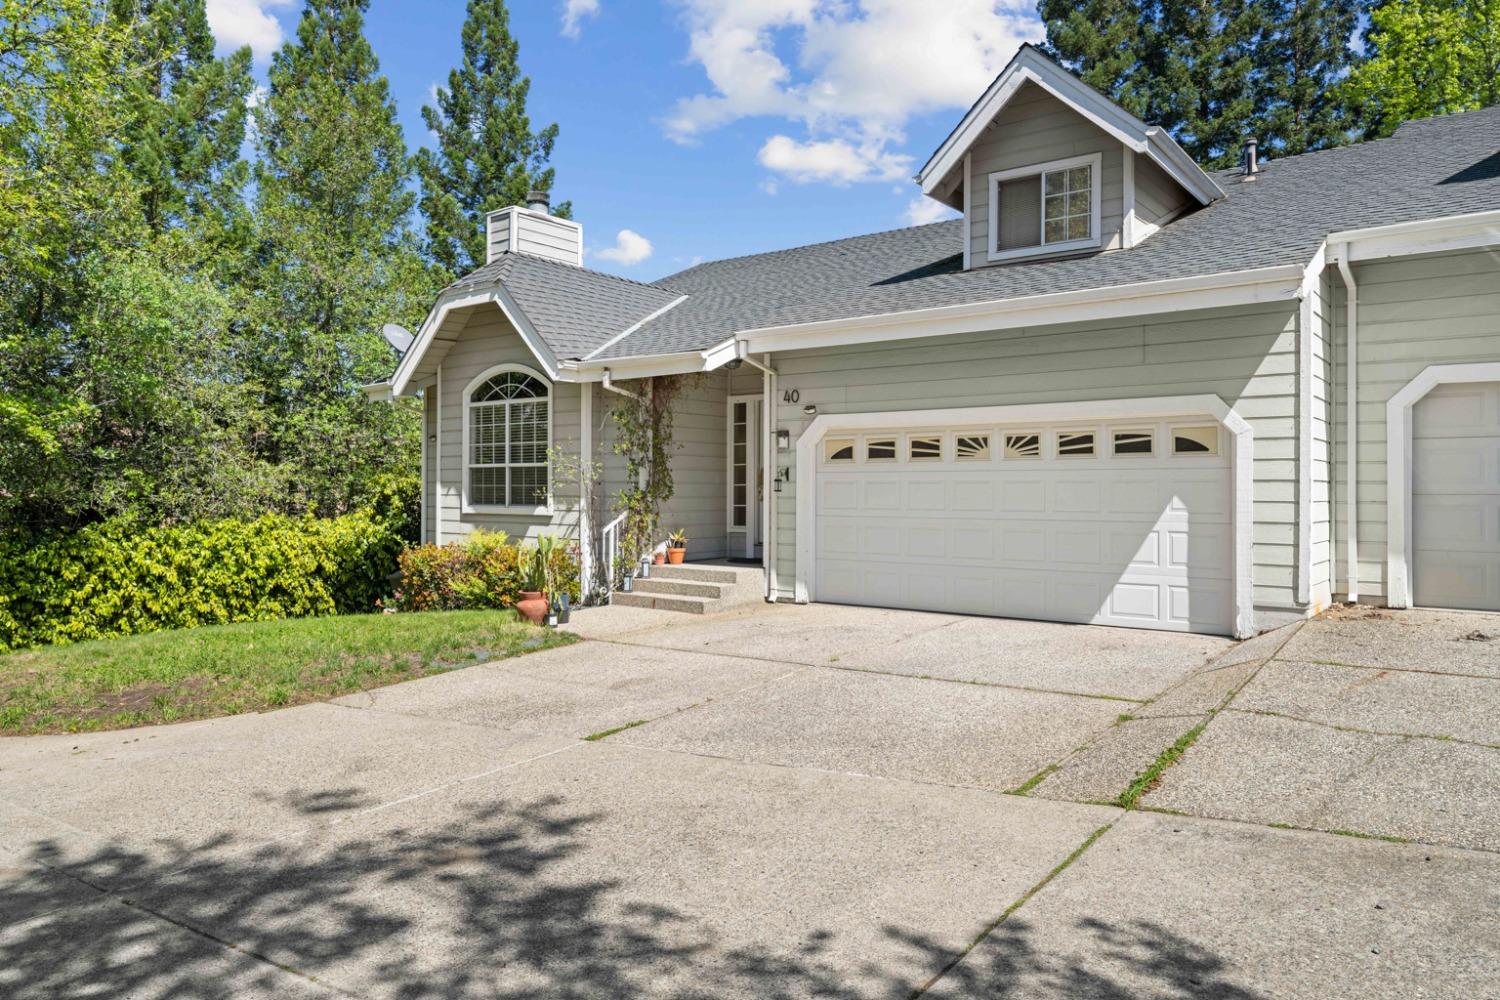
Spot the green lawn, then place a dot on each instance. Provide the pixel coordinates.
(226, 669)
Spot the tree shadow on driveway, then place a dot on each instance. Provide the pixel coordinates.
(493, 905)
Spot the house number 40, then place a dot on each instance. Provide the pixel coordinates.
(791, 396)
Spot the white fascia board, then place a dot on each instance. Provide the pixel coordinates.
(446, 303)
(1130, 131)
(1180, 166)
(1270, 284)
(1450, 232)
(1030, 66)
(528, 332)
(466, 299)
(379, 392)
(632, 328)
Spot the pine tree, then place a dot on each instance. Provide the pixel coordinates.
(188, 118)
(338, 260)
(1306, 51)
(1214, 72)
(487, 155)
(1425, 57)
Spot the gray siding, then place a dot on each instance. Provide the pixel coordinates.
(1158, 198)
(1247, 356)
(1036, 127)
(488, 340)
(1434, 309)
(699, 463)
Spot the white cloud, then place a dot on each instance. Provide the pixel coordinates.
(574, 11)
(836, 161)
(921, 211)
(246, 22)
(849, 71)
(630, 248)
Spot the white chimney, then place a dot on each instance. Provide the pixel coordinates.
(532, 229)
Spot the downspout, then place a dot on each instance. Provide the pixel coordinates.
(610, 385)
(768, 465)
(1351, 415)
(585, 482)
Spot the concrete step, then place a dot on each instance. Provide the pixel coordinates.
(665, 602)
(682, 588)
(699, 574)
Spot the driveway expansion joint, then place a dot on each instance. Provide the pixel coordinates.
(1025, 897)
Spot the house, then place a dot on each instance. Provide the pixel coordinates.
(1120, 389)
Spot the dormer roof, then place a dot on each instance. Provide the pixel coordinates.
(1030, 65)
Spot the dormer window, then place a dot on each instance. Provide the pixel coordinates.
(1044, 209)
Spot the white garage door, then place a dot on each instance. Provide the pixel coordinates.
(1126, 524)
(1455, 475)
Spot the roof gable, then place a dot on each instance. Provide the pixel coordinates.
(1029, 65)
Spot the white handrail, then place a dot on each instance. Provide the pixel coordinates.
(609, 553)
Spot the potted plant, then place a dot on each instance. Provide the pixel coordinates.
(658, 558)
(536, 575)
(677, 547)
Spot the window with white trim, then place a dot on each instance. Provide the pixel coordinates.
(1047, 208)
(509, 434)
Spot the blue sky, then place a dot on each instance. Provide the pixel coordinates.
(709, 128)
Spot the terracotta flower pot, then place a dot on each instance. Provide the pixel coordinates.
(676, 556)
(533, 606)
(657, 559)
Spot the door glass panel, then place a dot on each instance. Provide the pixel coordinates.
(739, 468)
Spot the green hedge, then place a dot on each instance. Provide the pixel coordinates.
(117, 578)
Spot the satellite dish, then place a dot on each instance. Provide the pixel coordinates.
(397, 337)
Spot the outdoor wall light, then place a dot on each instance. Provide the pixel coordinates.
(810, 409)
(783, 439)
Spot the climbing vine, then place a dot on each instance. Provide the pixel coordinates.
(644, 438)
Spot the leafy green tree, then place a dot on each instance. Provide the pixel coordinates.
(1426, 57)
(487, 155)
(188, 115)
(336, 260)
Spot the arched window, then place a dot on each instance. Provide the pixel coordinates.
(509, 430)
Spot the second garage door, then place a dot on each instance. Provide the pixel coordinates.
(1456, 497)
(1126, 524)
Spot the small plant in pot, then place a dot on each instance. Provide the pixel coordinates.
(533, 603)
(677, 547)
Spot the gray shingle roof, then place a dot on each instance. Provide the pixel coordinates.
(1430, 168)
(575, 310)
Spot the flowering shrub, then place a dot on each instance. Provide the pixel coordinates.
(484, 571)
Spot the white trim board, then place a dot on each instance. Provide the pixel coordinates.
(1398, 508)
(1155, 408)
(1269, 284)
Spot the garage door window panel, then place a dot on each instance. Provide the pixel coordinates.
(1023, 446)
(1133, 443)
(1195, 440)
(1075, 444)
(881, 449)
(925, 448)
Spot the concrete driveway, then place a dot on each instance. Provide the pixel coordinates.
(795, 802)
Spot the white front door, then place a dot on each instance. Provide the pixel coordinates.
(1455, 478)
(1118, 524)
(744, 484)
